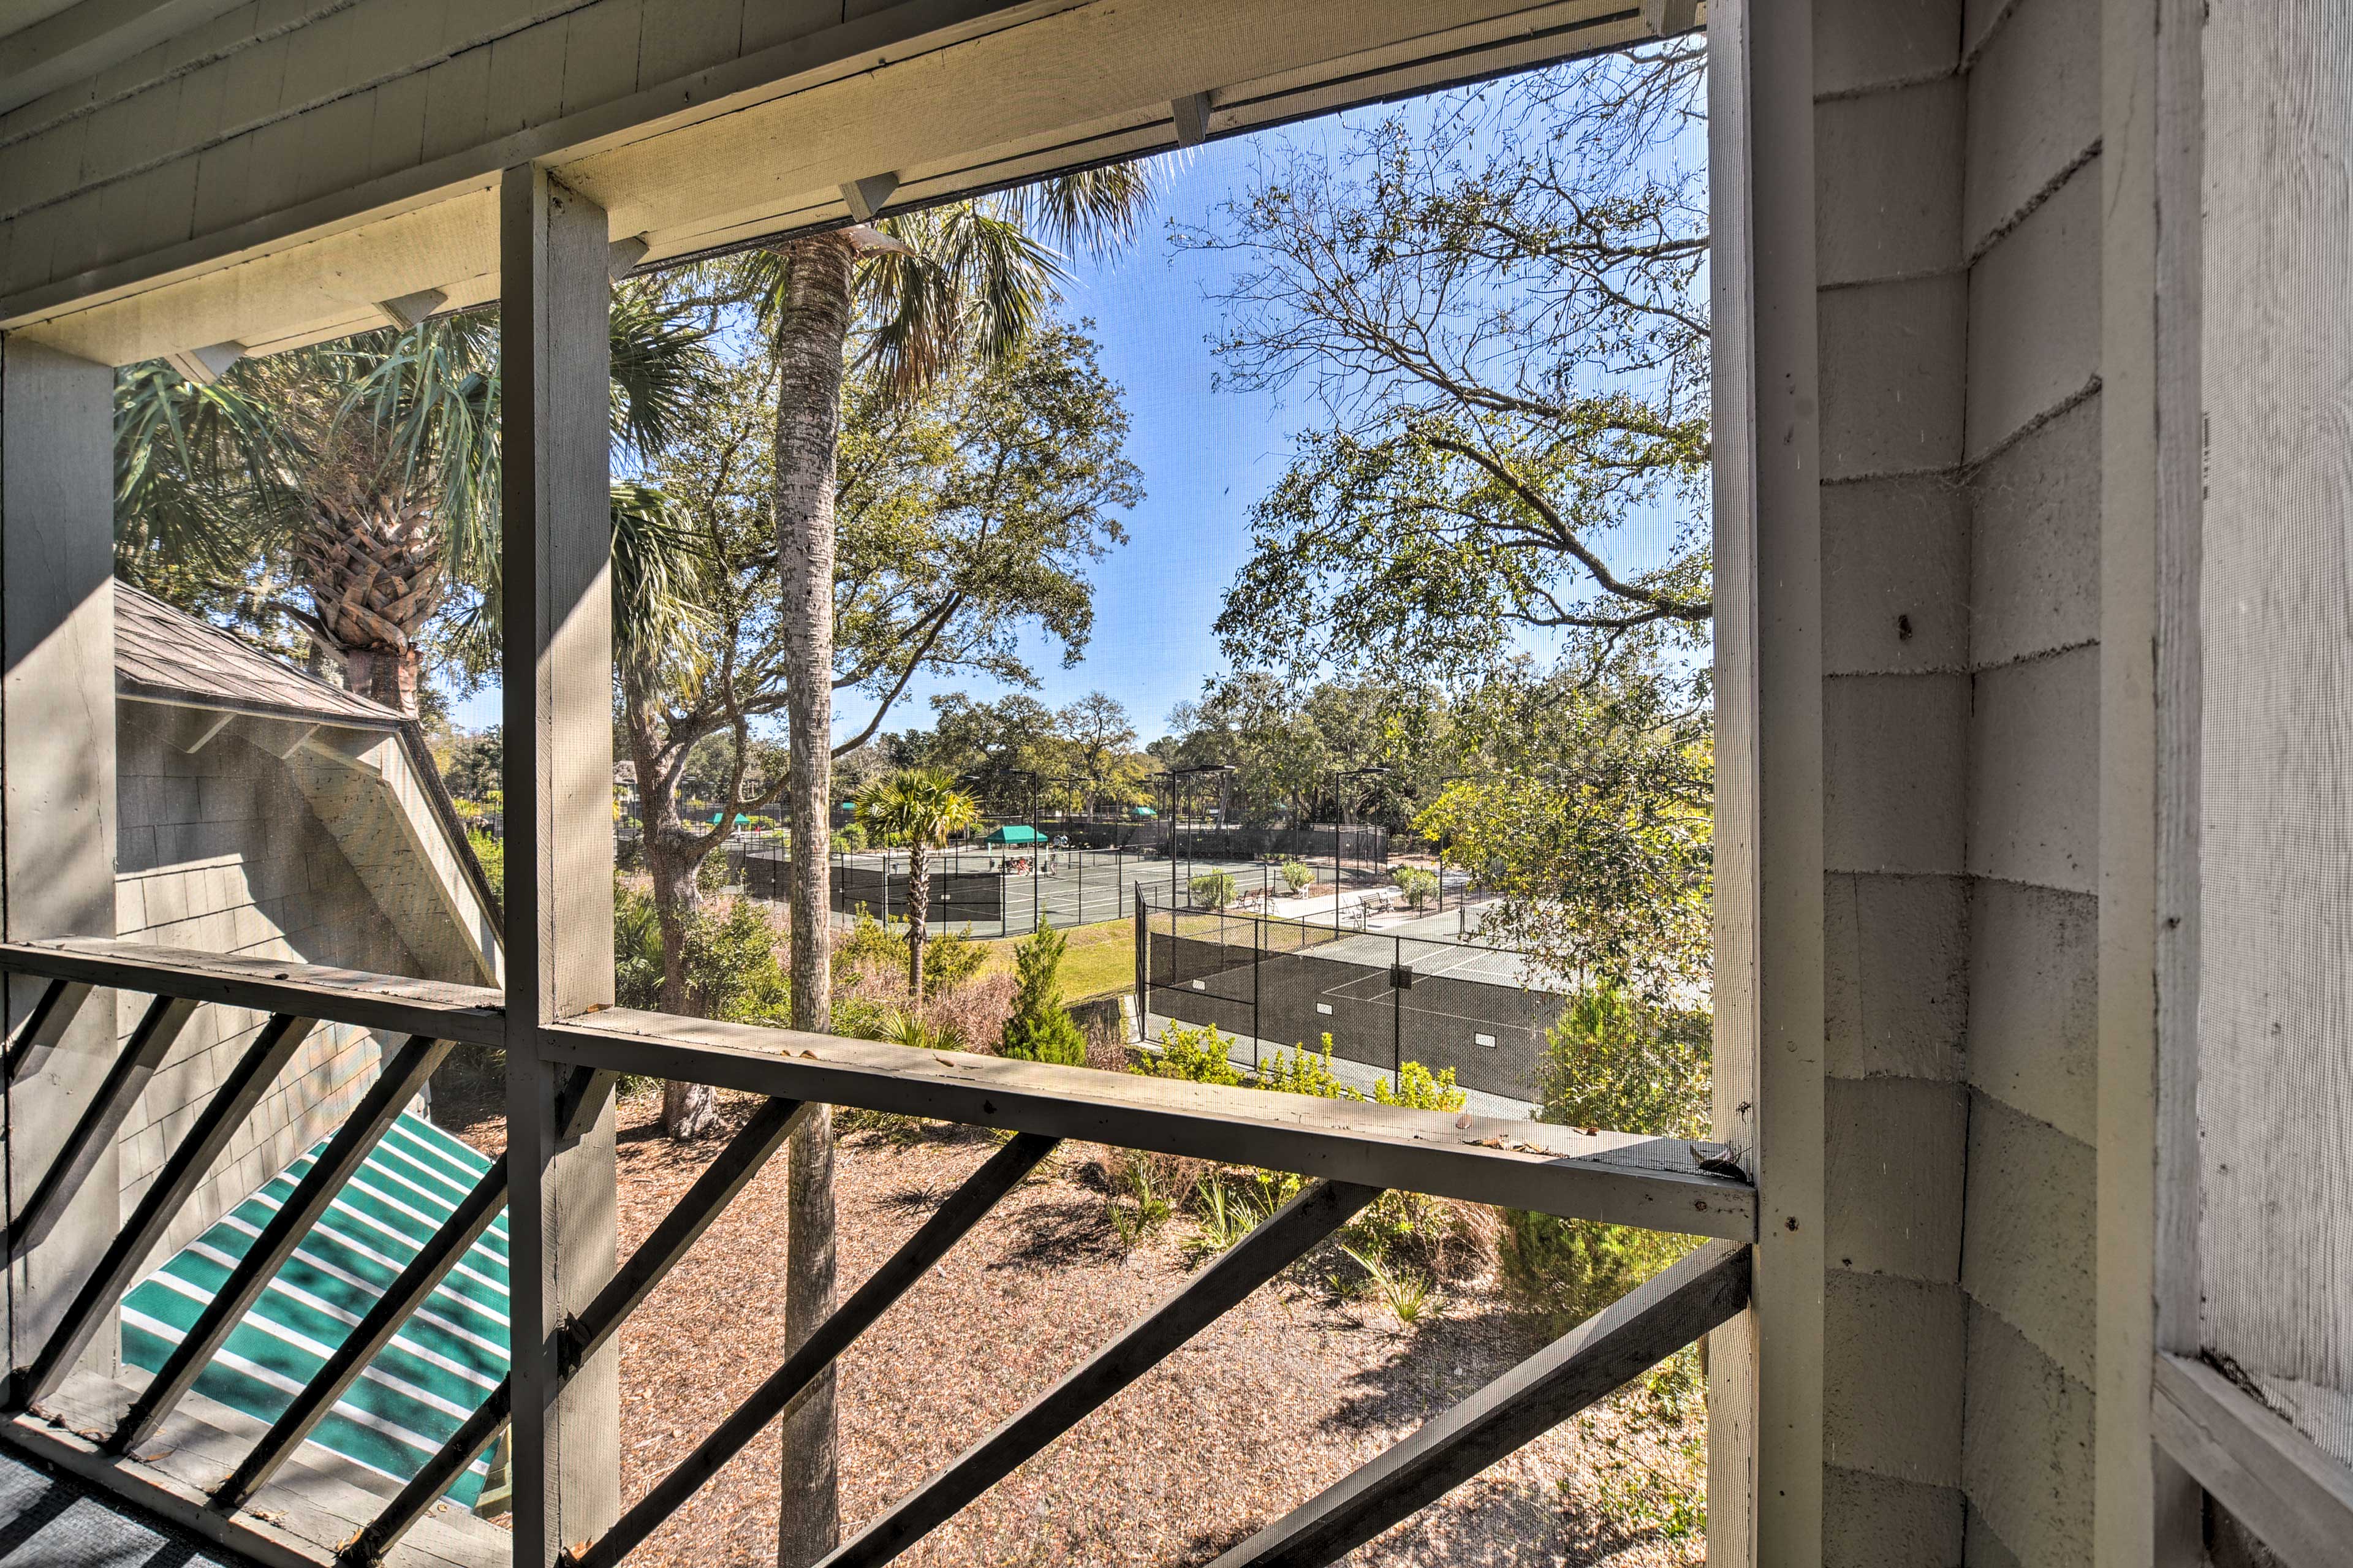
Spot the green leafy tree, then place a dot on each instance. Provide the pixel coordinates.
(1041, 1030)
(472, 771)
(1592, 815)
(1499, 310)
(919, 808)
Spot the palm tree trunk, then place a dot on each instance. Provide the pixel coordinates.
(919, 915)
(812, 329)
(386, 675)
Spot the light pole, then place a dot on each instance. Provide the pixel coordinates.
(1339, 821)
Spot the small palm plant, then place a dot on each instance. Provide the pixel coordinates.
(1296, 875)
(919, 807)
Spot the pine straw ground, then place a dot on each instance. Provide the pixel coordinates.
(1280, 1397)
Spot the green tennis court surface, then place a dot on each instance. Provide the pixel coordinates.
(445, 1360)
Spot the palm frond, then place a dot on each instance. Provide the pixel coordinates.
(659, 577)
(662, 365)
(1095, 210)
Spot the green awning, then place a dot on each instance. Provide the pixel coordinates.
(440, 1368)
(1015, 832)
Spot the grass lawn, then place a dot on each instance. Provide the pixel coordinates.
(1101, 959)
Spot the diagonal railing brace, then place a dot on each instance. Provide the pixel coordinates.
(587, 1334)
(99, 1121)
(408, 1291)
(1277, 1243)
(185, 1166)
(1599, 1356)
(965, 1208)
(61, 1003)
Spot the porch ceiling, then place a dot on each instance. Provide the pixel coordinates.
(1018, 92)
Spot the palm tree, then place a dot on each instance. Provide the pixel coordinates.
(364, 472)
(920, 809)
(924, 288)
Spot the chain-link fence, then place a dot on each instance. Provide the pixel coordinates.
(1384, 998)
(1011, 889)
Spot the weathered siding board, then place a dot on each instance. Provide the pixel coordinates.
(2031, 225)
(2034, 111)
(2274, 988)
(1895, 711)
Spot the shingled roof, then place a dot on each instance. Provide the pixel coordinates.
(162, 653)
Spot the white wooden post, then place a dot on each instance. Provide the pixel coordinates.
(1765, 1370)
(555, 298)
(56, 781)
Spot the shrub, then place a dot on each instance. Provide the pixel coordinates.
(1197, 1055)
(1417, 1089)
(1214, 889)
(850, 838)
(1301, 1072)
(1040, 1029)
(730, 959)
(1418, 886)
(1296, 876)
(637, 947)
(950, 958)
(732, 969)
(1610, 1063)
(1565, 1270)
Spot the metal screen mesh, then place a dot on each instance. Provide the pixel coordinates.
(2276, 968)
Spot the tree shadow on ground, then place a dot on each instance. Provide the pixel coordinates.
(1440, 1361)
(1061, 1231)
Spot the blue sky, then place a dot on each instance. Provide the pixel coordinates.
(1206, 455)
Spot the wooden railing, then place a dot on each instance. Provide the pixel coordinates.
(1352, 1153)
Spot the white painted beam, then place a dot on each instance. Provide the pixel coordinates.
(205, 365)
(408, 310)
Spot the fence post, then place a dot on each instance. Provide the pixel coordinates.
(1258, 947)
(1143, 958)
(1397, 1013)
